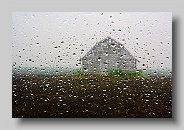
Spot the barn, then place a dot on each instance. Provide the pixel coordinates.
(107, 55)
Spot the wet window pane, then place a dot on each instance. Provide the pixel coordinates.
(84, 64)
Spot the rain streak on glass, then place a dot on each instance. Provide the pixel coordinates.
(85, 64)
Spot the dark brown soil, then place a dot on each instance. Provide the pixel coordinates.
(44, 96)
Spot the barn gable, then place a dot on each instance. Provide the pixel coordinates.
(107, 55)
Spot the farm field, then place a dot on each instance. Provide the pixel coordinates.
(60, 96)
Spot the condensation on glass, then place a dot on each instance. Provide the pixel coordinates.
(84, 64)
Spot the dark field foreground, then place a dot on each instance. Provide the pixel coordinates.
(95, 96)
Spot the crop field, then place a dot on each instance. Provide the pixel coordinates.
(92, 96)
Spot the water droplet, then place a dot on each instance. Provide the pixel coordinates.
(65, 21)
(161, 43)
(104, 90)
(33, 16)
(106, 53)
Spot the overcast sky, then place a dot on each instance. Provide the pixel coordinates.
(41, 39)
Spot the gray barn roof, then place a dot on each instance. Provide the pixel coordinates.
(108, 41)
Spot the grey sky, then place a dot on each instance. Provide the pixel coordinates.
(56, 38)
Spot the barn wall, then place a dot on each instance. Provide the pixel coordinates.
(105, 57)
